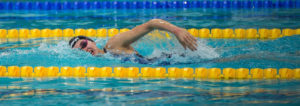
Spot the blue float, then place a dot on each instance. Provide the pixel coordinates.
(78, 5)
(105, 4)
(176, 4)
(267, 4)
(169, 4)
(146, 4)
(186, 4)
(125, 4)
(286, 4)
(226, 4)
(247, 4)
(156, 4)
(28, 5)
(119, 5)
(135, 5)
(179, 4)
(87, 5)
(67, 5)
(216, 4)
(96, 5)
(205, 4)
(297, 4)
(281, 4)
(46, 6)
(1, 6)
(36, 6)
(18, 6)
(173, 4)
(115, 4)
(257, 4)
(195, 4)
(237, 4)
(8, 6)
(57, 6)
(164, 4)
(276, 4)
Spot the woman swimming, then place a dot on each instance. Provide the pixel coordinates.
(120, 44)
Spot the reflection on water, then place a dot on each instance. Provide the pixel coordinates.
(221, 53)
(129, 18)
(151, 92)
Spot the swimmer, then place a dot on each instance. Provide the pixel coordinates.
(121, 43)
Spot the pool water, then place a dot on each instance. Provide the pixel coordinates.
(277, 53)
(219, 53)
(82, 91)
(129, 18)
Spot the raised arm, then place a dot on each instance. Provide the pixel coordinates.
(123, 40)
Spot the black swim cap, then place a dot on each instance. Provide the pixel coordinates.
(73, 41)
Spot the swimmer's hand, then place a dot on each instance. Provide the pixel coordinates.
(186, 39)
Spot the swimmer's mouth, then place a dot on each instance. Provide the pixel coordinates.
(92, 52)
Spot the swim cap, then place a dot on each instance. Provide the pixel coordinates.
(73, 41)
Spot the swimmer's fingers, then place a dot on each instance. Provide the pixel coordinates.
(192, 37)
(193, 40)
(183, 44)
(186, 40)
(190, 43)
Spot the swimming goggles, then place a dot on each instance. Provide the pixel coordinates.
(83, 44)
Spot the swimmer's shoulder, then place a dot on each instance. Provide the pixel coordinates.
(120, 50)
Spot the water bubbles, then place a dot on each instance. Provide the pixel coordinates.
(169, 50)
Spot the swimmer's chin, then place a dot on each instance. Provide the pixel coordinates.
(98, 55)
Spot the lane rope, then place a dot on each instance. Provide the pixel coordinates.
(88, 5)
(238, 33)
(148, 72)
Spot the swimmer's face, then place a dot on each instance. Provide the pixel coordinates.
(87, 46)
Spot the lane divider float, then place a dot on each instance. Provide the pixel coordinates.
(88, 5)
(214, 33)
(148, 72)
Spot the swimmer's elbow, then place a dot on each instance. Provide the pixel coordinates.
(156, 20)
(153, 23)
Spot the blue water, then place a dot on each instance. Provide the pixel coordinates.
(71, 91)
(219, 53)
(129, 18)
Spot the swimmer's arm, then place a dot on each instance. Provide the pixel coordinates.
(124, 39)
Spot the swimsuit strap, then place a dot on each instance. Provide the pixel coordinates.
(137, 54)
(104, 50)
